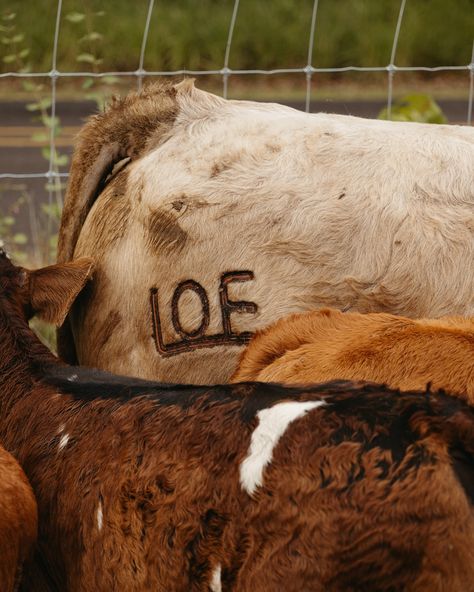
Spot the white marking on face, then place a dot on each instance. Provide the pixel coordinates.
(100, 516)
(63, 441)
(216, 584)
(73, 377)
(273, 423)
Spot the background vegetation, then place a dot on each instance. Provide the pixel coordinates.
(269, 33)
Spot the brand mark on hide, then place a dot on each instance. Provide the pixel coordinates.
(198, 338)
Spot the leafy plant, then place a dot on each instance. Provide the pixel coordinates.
(91, 43)
(415, 107)
(30, 253)
(13, 40)
(17, 57)
(14, 241)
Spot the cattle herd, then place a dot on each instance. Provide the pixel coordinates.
(302, 289)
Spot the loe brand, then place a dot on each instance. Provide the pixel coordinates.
(200, 337)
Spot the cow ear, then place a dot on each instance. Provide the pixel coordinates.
(53, 289)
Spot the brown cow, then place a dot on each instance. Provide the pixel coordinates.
(18, 521)
(328, 344)
(244, 488)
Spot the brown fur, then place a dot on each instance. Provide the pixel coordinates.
(327, 344)
(371, 491)
(18, 521)
(50, 299)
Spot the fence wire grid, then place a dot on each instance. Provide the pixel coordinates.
(225, 72)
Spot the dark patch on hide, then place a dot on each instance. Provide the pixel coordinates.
(164, 232)
(86, 384)
(422, 194)
(371, 405)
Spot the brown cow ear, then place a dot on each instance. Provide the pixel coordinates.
(53, 289)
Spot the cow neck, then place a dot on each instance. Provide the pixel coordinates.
(23, 358)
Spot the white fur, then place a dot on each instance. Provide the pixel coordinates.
(325, 210)
(273, 423)
(216, 584)
(99, 516)
(63, 441)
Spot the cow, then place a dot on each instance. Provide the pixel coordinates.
(18, 521)
(209, 219)
(247, 487)
(404, 353)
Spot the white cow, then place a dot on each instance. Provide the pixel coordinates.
(230, 214)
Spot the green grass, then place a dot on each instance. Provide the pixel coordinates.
(268, 34)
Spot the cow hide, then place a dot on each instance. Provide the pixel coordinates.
(223, 216)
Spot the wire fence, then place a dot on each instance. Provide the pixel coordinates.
(309, 70)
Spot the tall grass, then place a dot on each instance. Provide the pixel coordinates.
(269, 33)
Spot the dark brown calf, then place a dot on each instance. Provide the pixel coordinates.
(250, 488)
(18, 521)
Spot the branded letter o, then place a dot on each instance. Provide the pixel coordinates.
(201, 293)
